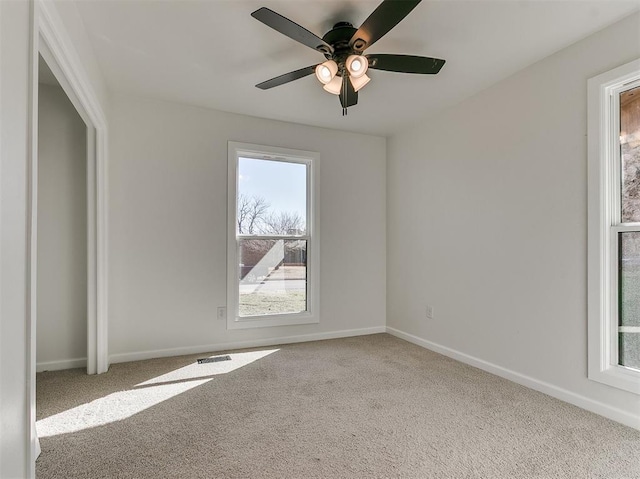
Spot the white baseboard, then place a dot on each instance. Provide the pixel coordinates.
(255, 343)
(583, 402)
(63, 364)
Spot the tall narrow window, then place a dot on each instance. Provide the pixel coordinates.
(273, 250)
(614, 227)
(628, 230)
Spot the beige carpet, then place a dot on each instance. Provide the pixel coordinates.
(366, 407)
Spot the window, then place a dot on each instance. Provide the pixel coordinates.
(273, 270)
(614, 227)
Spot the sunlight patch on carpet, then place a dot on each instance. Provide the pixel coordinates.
(124, 404)
(196, 371)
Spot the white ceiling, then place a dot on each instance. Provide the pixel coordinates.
(212, 53)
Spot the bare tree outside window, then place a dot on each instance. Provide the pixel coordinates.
(255, 216)
(283, 222)
(252, 211)
(630, 152)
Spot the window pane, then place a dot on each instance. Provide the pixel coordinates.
(272, 197)
(629, 340)
(629, 279)
(629, 350)
(273, 277)
(630, 153)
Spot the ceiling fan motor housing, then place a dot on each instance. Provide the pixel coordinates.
(339, 37)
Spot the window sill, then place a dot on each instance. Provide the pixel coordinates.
(270, 321)
(618, 377)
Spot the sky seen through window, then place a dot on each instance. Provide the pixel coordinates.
(282, 184)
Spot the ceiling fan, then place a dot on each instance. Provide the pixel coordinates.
(344, 71)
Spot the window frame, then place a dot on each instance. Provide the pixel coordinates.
(261, 152)
(604, 225)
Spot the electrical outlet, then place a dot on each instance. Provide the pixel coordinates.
(429, 312)
(222, 312)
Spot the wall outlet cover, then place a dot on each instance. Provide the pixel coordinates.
(429, 312)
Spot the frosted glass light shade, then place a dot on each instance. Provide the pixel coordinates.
(359, 82)
(334, 86)
(357, 65)
(325, 72)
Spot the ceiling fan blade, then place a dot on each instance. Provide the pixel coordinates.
(291, 29)
(348, 96)
(388, 14)
(287, 77)
(405, 63)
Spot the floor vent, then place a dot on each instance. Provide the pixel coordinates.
(215, 359)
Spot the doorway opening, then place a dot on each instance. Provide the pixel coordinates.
(61, 266)
(53, 47)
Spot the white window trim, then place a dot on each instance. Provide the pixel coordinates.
(604, 225)
(312, 160)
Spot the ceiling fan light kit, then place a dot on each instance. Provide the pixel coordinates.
(344, 71)
(334, 86)
(357, 65)
(325, 72)
(359, 82)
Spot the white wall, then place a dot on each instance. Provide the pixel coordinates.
(487, 220)
(62, 232)
(168, 209)
(14, 129)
